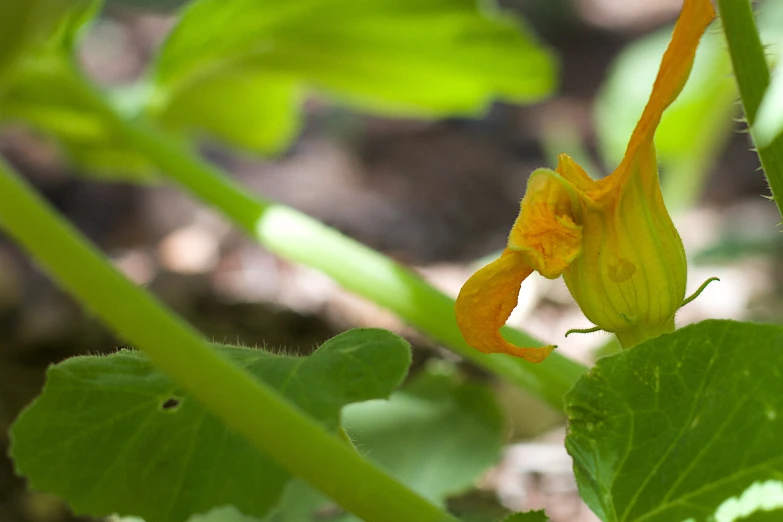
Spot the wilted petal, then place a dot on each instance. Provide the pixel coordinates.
(485, 302)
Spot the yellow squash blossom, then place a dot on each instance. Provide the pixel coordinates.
(612, 240)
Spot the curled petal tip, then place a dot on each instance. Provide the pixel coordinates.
(485, 302)
(533, 355)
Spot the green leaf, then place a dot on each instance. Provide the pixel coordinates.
(682, 426)
(692, 131)
(415, 435)
(530, 516)
(114, 435)
(400, 57)
(252, 110)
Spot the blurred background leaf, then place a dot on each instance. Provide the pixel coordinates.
(403, 58)
(26, 26)
(239, 71)
(266, 119)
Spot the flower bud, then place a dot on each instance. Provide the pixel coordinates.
(612, 239)
(631, 274)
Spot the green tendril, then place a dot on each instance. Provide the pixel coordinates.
(699, 291)
(582, 330)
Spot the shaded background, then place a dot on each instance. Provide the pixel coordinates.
(435, 195)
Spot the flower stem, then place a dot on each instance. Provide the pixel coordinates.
(359, 269)
(273, 425)
(753, 77)
(300, 238)
(632, 337)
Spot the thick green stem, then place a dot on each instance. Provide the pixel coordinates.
(274, 426)
(357, 268)
(752, 75)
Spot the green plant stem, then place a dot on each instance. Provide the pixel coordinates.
(753, 77)
(300, 238)
(274, 426)
(630, 338)
(359, 269)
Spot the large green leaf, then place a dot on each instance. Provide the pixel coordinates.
(114, 435)
(253, 110)
(401, 57)
(683, 427)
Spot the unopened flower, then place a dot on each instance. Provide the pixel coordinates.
(612, 239)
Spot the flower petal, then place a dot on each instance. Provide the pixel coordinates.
(675, 68)
(485, 302)
(546, 231)
(574, 174)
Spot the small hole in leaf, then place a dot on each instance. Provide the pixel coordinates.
(170, 404)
